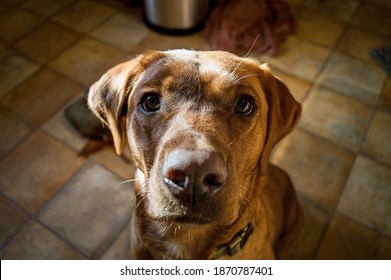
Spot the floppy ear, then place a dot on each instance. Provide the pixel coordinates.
(108, 97)
(283, 113)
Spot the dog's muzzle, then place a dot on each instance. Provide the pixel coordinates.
(193, 175)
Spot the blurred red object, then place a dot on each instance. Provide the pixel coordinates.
(233, 25)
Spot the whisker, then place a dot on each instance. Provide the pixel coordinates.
(246, 76)
(129, 181)
(247, 54)
(252, 46)
(165, 229)
(178, 227)
(135, 194)
(189, 238)
(229, 144)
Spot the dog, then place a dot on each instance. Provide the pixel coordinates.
(201, 126)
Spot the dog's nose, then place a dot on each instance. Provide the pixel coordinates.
(192, 174)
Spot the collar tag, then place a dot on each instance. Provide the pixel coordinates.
(236, 244)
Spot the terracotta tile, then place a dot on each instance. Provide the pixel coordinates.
(36, 170)
(124, 167)
(367, 195)
(318, 168)
(123, 31)
(87, 61)
(341, 10)
(353, 77)
(385, 98)
(299, 58)
(45, 43)
(40, 96)
(373, 18)
(91, 210)
(16, 23)
(13, 70)
(13, 130)
(157, 41)
(84, 16)
(120, 249)
(378, 140)
(59, 127)
(46, 7)
(11, 218)
(341, 119)
(298, 87)
(357, 43)
(309, 24)
(308, 240)
(347, 240)
(35, 242)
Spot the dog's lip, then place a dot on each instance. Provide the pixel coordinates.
(192, 219)
(185, 219)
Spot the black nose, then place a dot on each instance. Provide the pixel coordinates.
(191, 174)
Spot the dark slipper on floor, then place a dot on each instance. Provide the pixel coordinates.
(383, 57)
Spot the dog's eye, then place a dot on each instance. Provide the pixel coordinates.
(244, 106)
(150, 103)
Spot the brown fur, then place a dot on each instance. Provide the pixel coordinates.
(198, 92)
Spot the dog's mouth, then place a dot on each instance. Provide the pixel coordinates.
(190, 219)
(176, 211)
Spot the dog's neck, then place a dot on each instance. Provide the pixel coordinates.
(178, 241)
(171, 240)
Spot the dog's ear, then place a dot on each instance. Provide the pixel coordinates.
(108, 97)
(283, 112)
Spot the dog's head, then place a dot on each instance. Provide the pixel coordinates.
(200, 125)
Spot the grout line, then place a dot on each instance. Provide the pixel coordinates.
(32, 130)
(11, 201)
(333, 49)
(106, 247)
(36, 215)
(63, 239)
(101, 251)
(363, 225)
(16, 231)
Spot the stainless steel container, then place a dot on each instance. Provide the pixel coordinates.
(174, 15)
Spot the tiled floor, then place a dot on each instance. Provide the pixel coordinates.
(56, 205)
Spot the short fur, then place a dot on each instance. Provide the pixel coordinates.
(198, 93)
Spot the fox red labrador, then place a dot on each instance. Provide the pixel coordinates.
(201, 126)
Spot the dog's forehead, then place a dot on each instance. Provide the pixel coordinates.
(208, 63)
(195, 73)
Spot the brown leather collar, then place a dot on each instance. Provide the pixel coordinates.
(236, 244)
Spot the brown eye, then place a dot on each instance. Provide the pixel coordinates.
(244, 106)
(150, 103)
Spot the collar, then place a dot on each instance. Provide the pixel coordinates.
(236, 244)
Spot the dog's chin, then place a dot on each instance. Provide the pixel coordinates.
(182, 217)
(196, 220)
(194, 217)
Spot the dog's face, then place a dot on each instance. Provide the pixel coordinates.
(200, 126)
